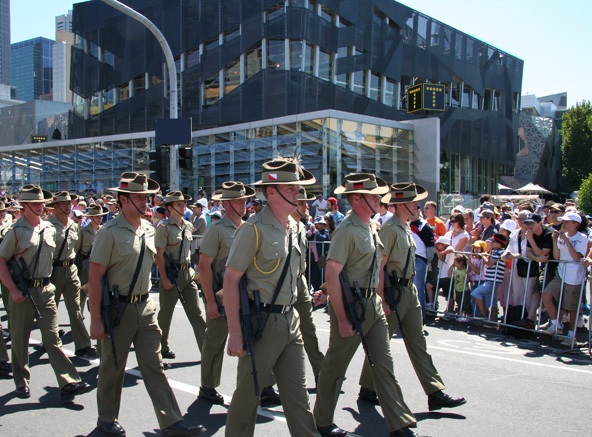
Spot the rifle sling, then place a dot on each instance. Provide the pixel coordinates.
(139, 266)
(38, 253)
(63, 242)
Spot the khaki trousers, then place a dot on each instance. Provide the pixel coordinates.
(341, 351)
(169, 298)
(212, 351)
(138, 326)
(280, 350)
(22, 317)
(67, 284)
(307, 327)
(415, 342)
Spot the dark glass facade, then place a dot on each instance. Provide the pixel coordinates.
(32, 69)
(247, 60)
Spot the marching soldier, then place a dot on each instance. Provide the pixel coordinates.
(304, 303)
(5, 367)
(356, 250)
(31, 243)
(65, 273)
(83, 246)
(265, 249)
(173, 241)
(214, 251)
(125, 245)
(399, 256)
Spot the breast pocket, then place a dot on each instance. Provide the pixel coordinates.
(48, 247)
(269, 256)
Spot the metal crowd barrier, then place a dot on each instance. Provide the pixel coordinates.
(495, 291)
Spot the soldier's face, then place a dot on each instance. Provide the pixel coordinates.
(373, 200)
(414, 209)
(302, 207)
(289, 191)
(64, 207)
(240, 205)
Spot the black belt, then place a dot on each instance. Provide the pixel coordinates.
(184, 266)
(405, 282)
(38, 282)
(278, 309)
(368, 292)
(66, 263)
(134, 298)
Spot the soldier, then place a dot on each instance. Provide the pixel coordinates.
(356, 249)
(173, 240)
(83, 246)
(4, 227)
(32, 241)
(265, 249)
(399, 256)
(200, 223)
(125, 245)
(212, 264)
(65, 273)
(304, 303)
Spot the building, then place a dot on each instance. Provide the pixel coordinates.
(243, 65)
(64, 22)
(32, 68)
(5, 42)
(62, 55)
(8, 96)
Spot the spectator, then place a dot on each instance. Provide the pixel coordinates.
(458, 241)
(334, 210)
(485, 198)
(556, 211)
(215, 216)
(486, 294)
(317, 233)
(458, 209)
(568, 245)
(383, 214)
(469, 217)
(507, 227)
(476, 266)
(320, 206)
(257, 205)
(487, 222)
(330, 223)
(437, 224)
(458, 273)
(443, 282)
(423, 235)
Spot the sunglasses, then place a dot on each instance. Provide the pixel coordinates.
(553, 211)
(452, 221)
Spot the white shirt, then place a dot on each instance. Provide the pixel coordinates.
(572, 273)
(420, 247)
(320, 204)
(382, 219)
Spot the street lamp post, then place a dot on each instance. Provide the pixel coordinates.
(172, 72)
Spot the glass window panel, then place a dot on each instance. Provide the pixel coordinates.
(342, 52)
(497, 101)
(309, 59)
(275, 54)
(422, 31)
(212, 89)
(477, 102)
(232, 76)
(296, 55)
(488, 99)
(211, 44)
(326, 14)
(447, 40)
(408, 33)
(455, 97)
(341, 80)
(466, 97)
(435, 34)
(312, 5)
(390, 88)
(275, 12)
(374, 86)
(192, 58)
(253, 61)
(342, 22)
(325, 65)
(232, 34)
(359, 80)
(470, 49)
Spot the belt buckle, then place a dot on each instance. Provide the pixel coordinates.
(36, 283)
(285, 309)
(134, 298)
(65, 263)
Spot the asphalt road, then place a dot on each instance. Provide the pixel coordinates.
(513, 388)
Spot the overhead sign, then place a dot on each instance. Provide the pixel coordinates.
(38, 138)
(426, 97)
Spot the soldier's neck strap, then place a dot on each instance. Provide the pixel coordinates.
(139, 266)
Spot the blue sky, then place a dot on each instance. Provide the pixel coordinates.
(550, 36)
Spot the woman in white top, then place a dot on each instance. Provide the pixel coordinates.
(459, 238)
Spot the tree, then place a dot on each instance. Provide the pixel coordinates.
(585, 201)
(576, 131)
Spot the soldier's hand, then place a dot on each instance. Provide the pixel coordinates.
(97, 330)
(386, 308)
(588, 262)
(236, 345)
(17, 296)
(212, 310)
(319, 298)
(167, 284)
(346, 329)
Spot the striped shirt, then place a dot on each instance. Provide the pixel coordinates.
(500, 266)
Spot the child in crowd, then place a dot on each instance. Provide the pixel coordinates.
(458, 273)
(444, 279)
(486, 294)
(477, 266)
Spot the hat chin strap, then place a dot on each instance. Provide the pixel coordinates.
(282, 196)
(135, 206)
(365, 200)
(31, 209)
(407, 208)
(229, 202)
(177, 211)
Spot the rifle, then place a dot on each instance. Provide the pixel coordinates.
(245, 307)
(216, 287)
(390, 296)
(172, 270)
(351, 311)
(106, 314)
(21, 276)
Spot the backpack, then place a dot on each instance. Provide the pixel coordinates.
(515, 315)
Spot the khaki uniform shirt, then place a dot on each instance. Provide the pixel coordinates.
(23, 240)
(175, 240)
(68, 252)
(4, 227)
(117, 246)
(353, 246)
(398, 241)
(217, 241)
(259, 249)
(86, 238)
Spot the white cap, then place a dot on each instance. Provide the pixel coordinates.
(509, 225)
(444, 240)
(203, 202)
(574, 216)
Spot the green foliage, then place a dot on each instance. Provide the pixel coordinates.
(585, 201)
(576, 131)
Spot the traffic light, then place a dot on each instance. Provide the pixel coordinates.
(186, 158)
(159, 164)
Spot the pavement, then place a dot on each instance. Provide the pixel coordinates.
(513, 387)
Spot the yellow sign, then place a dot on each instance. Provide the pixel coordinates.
(426, 97)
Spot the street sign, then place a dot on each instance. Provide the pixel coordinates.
(426, 97)
(38, 138)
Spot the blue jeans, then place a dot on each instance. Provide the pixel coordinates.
(419, 282)
(484, 292)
